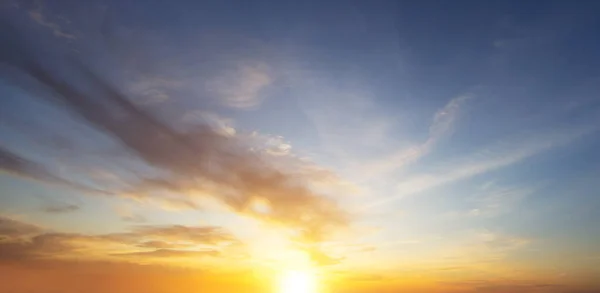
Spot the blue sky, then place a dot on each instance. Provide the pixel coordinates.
(415, 135)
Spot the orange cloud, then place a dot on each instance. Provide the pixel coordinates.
(180, 164)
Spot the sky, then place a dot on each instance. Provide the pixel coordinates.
(382, 146)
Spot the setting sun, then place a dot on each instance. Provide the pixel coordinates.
(309, 146)
(297, 282)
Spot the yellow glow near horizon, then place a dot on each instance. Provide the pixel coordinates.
(296, 281)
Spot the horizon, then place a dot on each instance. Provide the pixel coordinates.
(299, 146)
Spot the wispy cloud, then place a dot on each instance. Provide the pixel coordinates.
(441, 126)
(344, 114)
(152, 89)
(241, 87)
(60, 208)
(13, 228)
(170, 253)
(493, 158)
(489, 285)
(15, 164)
(197, 161)
(23, 242)
(496, 201)
(38, 16)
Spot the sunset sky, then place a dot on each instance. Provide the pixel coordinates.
(363, 146)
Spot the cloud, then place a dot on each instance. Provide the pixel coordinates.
(15, 164)
(496, 157)
(37, 16)
(204, 235)
(158, 244)
(499, 242)
(152, 89)
(241, 87)
(127, 215)
(320, 258)
(505, 285)
(218, 124)
(499, 200)
(133, 218)
(13, 228)
(196, 162)
(60, 208)
(21, 241)
(170, 253)
(441, 126)
(483, 246)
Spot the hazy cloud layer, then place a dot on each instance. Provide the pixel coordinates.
(60, 208)
(40, 18)
(240, 87)
(441, 126)
(20, 241)
(197, 161)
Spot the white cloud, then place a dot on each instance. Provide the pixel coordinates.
(241, 87)
(499, 201)
(441, 126)
(152, 90)
(37, 16)
(486, 160)
(221, 125)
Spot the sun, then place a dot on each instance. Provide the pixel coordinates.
(297, 281)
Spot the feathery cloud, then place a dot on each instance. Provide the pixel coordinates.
(13, 228)
(441, 126)
(37, 16)
(487, 160)
(22, 241)
(60, 208)
(241, 86)
(198, 160)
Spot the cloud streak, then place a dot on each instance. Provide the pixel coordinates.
(21, 241)
(198, 160)
(441, 126)
(37, 16)
(487, 160)
(241, 87)
(13, 163)
(60, 208)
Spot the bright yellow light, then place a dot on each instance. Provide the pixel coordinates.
(297, 282)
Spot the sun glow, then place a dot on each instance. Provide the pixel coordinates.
(297, 282)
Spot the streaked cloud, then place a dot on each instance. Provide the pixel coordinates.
(441, 126)
(22, 242)
(13, 163)
(14, 228)
(493, 158)
(60, 208)
(170, 253)
(38, 16)
(150, 90)
(197, 161)
(241, 86)
(496, 201)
